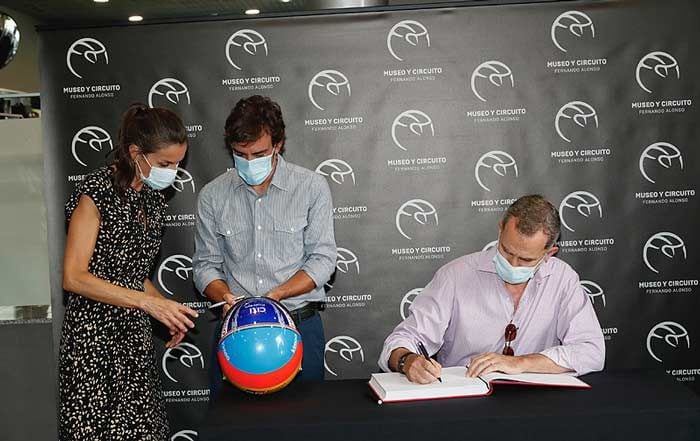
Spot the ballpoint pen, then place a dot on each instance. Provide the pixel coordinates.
(216, 305)
(424, 353)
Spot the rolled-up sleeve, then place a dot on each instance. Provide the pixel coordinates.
(207, 262)
(582, 347)
(430, 315)
(319, 237)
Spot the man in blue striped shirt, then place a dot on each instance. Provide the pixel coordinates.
(266, 228)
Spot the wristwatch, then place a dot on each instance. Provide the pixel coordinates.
(402, 361)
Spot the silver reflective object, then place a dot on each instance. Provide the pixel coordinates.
(9, 39)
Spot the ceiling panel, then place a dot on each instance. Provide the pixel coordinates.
(87, 12)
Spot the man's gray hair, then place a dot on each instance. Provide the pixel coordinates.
(535, 213)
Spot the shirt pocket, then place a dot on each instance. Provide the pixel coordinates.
(237, 239)
(288, 238)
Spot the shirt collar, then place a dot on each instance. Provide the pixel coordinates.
(280, 179)
(485, 263)
(236, 180)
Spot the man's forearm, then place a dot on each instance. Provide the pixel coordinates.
(216, 289)
(394, 358)
(300, 283)
(541, 364)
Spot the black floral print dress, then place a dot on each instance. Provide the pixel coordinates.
(109, 383)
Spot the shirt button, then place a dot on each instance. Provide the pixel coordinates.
(228, 231)
(260, 281)
(258, 200)
(259, 227)
(292, 228)
(259, 255)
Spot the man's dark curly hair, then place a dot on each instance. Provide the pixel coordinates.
(251, 118)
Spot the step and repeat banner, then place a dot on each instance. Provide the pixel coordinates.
(427, 124)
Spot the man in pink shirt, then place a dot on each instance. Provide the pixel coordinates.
(513, 308)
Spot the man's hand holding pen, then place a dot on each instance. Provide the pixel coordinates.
(419, 369)
(425, 354)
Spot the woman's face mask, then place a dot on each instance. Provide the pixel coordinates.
(159, 178)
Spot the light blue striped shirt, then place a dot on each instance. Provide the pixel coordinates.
(257, 242)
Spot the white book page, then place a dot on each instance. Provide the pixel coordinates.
(567, 379)
(454, 383)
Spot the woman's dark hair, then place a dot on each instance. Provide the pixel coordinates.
(252, 117)
(150, 130)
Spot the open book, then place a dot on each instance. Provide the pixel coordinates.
(392, 386)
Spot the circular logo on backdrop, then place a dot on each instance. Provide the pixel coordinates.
(93, 137)
(668, 334)
(87, 49)
(662, 64)
(663, 153)
(188, 356)
(177, 264)
(183, 180)
(345, 260)
(407, 301)
(170, 89)
(497, 162)
(337, 170)
(593, 291)
(583, 203)
(244, 40)
(328, 82)
(575, 23)
(578, 112)
(340, 350)
(418, 211)
(185, 435)
(496, 72)
(664, 243)
(405, 34)
(416, 121)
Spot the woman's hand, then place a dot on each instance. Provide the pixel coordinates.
(175, 340)
(172, 314)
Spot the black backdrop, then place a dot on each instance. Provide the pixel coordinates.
(427, 124)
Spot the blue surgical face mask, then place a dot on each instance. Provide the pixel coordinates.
(255, 171)
(514, 275)
(159, 178)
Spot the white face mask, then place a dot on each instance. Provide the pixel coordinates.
(255, 171)
(159, 178)
(514, 275)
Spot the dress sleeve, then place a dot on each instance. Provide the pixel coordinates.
(97, 186)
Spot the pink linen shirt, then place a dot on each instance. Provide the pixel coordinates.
(465, 308)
